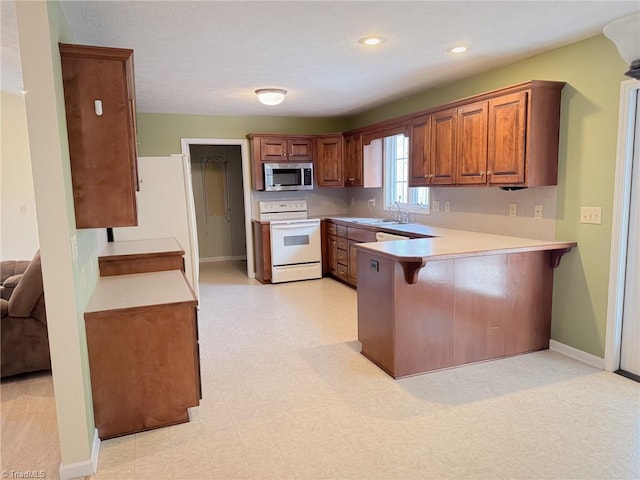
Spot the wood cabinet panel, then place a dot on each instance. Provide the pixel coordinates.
(353, 263)
(262, 251)
(420, 152)
(273, 149)
(361, 234)
(299, 150)
(102, 146)
(353, 161)
(330, 161)
(471, 143)
(141, 263)
(145, 368)
(343, 256)
(506, 140)
(443, 147)
(333, 255)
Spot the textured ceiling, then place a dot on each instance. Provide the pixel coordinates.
(209, 57)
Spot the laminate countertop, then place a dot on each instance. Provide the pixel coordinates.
(155, 246)
(140, 290)
(440, 243)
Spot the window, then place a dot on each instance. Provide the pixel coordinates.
(396, 178)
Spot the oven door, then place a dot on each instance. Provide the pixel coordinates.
(295, 242)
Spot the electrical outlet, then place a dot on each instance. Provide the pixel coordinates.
(447, 206)
(435, 206)
(372, 202)
(513, 209)
(591, 215)
(537, 212)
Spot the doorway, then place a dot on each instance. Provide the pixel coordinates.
(222, 198)
(623, 316)
(216, 173)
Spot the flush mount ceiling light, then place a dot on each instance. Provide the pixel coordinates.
(458, 49)
(372, 40)
(625, 33)
(271, 96)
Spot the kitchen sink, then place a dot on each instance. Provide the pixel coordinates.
(376, 221)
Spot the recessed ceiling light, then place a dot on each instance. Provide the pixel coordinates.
(372, 40)
(460, 49)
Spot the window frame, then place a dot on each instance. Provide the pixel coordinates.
(412, 205)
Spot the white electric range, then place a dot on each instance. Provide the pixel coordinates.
(295, 240)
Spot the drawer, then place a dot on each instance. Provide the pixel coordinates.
(343, 257)
(342, 243)
(341, 230)
(343, 273)
(361, 235)
(331, 228)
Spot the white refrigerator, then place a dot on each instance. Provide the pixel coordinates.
(166, 209)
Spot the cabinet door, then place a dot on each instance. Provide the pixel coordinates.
(333, 255)
(102, 148)
(443, 147)
(273, 149)
(299, 150)
(330, 161)
(472, 143)
(419, 152)
(353, 160)
(507, 127)
(353, 264)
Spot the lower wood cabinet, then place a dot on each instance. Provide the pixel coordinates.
(262, 250)
(342, 257)
(142, 341)
(141, 256)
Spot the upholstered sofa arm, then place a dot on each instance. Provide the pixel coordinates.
(12, 281)
(4, 307)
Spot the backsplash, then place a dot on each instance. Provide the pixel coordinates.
(481, 209)
(320, 201)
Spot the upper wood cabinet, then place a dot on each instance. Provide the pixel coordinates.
(99, 99)
(277, 148)
(506, 141)
(471, 144)
(330, 161)
(507, 137)
(353, 160)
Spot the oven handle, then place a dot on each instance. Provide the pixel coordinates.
(294, 225)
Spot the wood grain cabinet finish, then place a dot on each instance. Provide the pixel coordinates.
(330, 161)
(262, 250)
(102, 143)
(144, 357)
(471, 143)
(353, 165)
(460, 311)
(340, 241)
(507, 137)
(277, 148)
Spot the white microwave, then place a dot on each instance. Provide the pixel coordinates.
(288, 176)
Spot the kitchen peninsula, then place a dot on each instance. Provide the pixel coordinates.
(455, 298)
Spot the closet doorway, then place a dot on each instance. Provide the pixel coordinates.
(218, 172)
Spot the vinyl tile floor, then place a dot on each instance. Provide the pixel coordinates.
(287, 395)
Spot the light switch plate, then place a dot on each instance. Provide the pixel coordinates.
(513, 209)
(591, 215)
(447, 206)
(435, 206)
(537, 212)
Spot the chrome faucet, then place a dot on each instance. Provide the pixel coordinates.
(400, 216)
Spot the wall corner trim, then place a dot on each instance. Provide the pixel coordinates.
(576, 354)
(86, 467)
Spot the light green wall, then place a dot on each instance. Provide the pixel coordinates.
(160, 133)
(593, 71)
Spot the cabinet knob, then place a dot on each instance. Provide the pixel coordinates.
(489, 172)
(351, 179)
(482, 173)
(426, 176)
(431, 175)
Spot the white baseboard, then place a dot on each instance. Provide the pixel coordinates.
(576, 354)
(222, 259)
(86, 467)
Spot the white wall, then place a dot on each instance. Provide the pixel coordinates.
(481, 209)
(18, 223)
